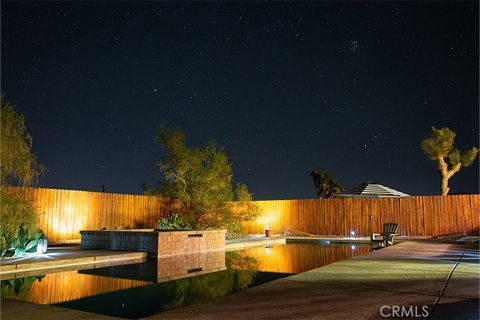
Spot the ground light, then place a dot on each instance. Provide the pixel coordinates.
(42, 244)
(268, 231)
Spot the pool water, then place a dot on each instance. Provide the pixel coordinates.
(142, 289)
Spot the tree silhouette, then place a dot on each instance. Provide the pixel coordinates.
(325, 185)
(440, 148)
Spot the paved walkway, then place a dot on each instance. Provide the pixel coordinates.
(410, 279)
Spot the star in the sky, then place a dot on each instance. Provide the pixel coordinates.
(354, 46)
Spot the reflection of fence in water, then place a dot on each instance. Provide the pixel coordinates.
(71, 285)
(296, 258)
(166, 268)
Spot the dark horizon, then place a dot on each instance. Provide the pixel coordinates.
(284, 88)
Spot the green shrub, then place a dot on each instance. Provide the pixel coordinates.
(18, 231)
(174, 222)
(17, 288)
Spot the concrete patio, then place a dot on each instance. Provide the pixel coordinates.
(441, 277)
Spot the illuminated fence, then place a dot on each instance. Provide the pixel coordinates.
(416, 216)
(63, 213)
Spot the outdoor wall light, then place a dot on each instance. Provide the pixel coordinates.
(42, 244)
(352, 234)
(268, 250)
(353, 247)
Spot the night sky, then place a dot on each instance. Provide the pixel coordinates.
(284, 87)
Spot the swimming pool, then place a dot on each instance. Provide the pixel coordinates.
(142, 289)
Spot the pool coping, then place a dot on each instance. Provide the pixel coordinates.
(23, 266)
(74, 256)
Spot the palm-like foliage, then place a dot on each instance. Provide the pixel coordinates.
(325, 185)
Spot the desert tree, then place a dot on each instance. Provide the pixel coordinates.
(18, 162)
(439, 147)
(201, 180)
(18, 166)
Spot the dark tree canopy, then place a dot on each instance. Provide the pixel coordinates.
(325, 185)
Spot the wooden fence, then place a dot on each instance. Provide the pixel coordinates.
(416, 216)
(63, 213)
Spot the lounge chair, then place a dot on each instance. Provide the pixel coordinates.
(386, 238)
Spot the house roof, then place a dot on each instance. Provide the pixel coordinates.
(371, 190)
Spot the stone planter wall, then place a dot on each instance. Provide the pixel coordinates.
(155, 243)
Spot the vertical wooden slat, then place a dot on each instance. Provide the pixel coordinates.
(64, 212)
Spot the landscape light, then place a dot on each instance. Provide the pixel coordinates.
(42, 244)
(268, 231)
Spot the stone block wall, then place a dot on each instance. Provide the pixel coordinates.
(155, 243)
(183, 242)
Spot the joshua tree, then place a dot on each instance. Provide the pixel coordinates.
(325, 185)
(439, 147)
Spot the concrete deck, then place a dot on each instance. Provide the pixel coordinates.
(237, 244)
(14, 309)
(443, 277)
(64, 257)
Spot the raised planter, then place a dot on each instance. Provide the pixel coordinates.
(157, 243)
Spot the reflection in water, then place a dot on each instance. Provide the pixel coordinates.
(157, 297)
(143, 289)
(166, 268)
(66, 286)
(18, 288)
(296, 258)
